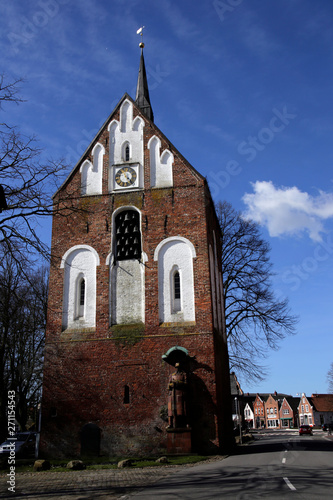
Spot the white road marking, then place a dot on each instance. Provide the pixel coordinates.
(284, 460)
(288, 483)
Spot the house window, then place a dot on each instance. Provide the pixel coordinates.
(272, 411)
(176, 302)
(306, 407)
(286, 411)
(128, 235)
(302, 408)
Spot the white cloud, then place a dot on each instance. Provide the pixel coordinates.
(287, 210)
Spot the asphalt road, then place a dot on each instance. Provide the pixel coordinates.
(278, 464)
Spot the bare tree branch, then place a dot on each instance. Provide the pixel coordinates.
(23, 306)
(28, 184)
(256, 320)
(9, 91)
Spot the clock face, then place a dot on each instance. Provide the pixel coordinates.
(125, 176)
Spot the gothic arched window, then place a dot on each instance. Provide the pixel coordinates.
(128, 235)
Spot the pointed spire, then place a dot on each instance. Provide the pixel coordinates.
(142, 92)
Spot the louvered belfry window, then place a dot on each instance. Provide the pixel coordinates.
(128, 235)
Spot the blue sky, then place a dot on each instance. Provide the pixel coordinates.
(243, 88)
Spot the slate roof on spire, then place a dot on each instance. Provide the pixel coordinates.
(142, 92)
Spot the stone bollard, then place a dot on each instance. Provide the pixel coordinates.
(41, 465)
(76, 465)
(125, 463)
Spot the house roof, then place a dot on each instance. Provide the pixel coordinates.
(322, 402)
(264, 396)
(293, 402)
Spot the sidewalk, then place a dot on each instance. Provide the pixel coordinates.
(87, 484)
(103, 484)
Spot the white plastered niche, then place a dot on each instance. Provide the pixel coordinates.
(92, 173)
(175, 254)
(160, 164)
(79, 263)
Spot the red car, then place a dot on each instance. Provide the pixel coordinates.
(305, 429)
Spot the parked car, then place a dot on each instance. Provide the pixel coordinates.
(327, 427)
(23, 443)
(305, 429)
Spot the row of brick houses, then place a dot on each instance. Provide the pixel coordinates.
(284, 411)
(280, 411)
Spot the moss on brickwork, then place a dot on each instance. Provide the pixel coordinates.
(159, 195)
(128, 334)
(87, 202)
(130, 198)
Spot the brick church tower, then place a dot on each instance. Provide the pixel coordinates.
(136, 358)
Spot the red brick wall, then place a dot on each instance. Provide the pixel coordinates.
(86, 371)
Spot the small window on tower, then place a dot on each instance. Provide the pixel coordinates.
(81, 297)
(176, 292)
(127, 153)
(126, 395)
